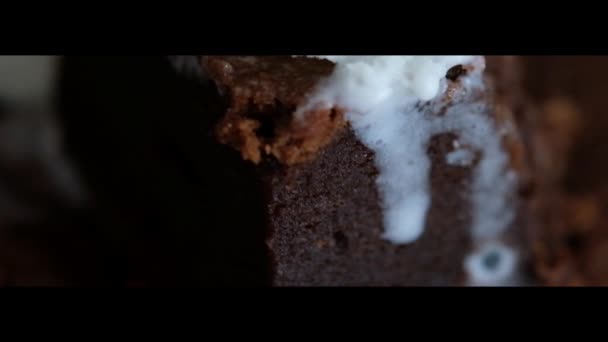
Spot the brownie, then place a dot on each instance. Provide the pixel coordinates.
(323, 211)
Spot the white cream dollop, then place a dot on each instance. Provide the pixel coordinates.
(383, 97)
(363, 82)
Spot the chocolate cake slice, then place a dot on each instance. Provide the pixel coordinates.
(306, 170)
(352, 200)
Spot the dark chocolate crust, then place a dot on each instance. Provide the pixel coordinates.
(326, 221)
(262, 94)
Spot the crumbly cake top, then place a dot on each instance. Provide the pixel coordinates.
(263, 93)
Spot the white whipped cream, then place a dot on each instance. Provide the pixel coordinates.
(383, 97)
